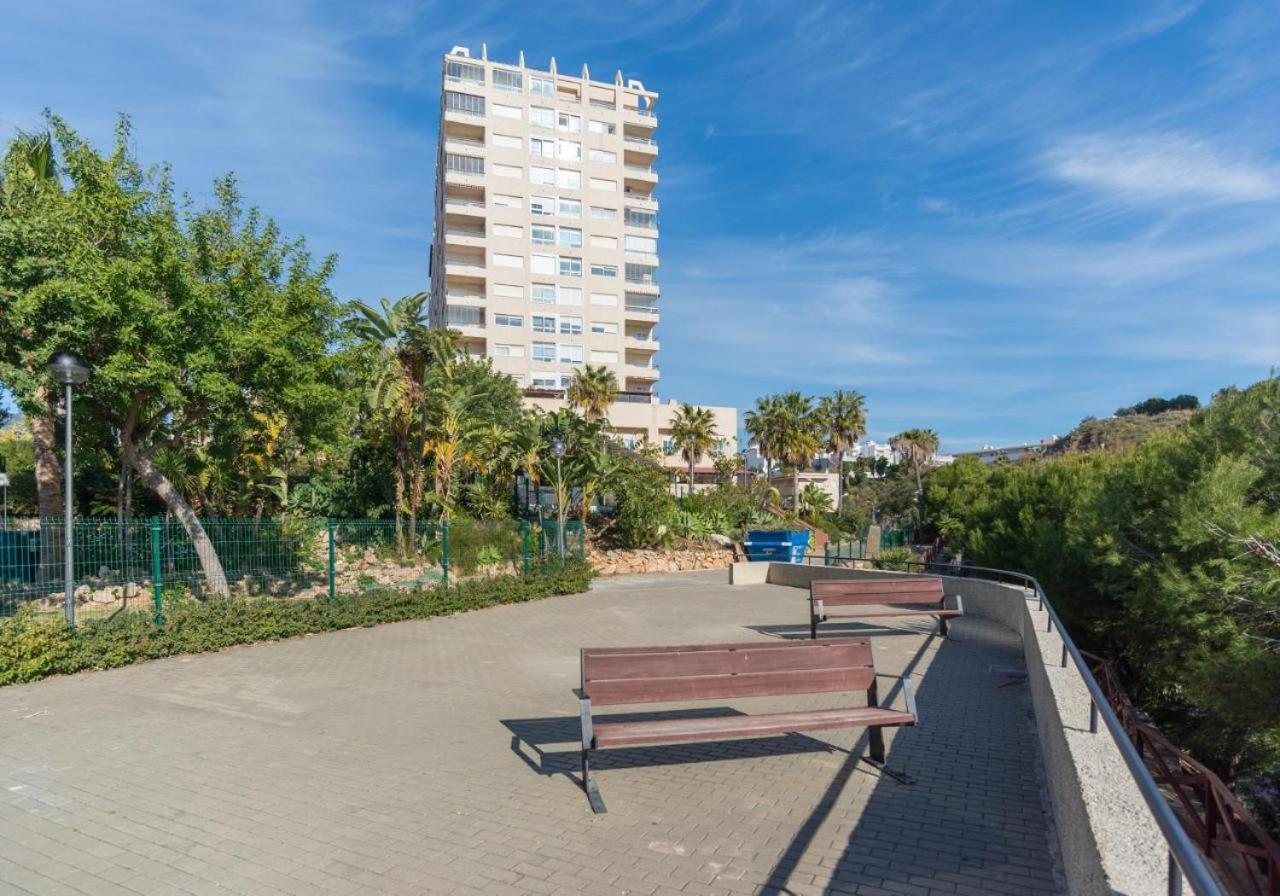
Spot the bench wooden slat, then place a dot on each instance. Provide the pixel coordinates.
(695, 648)
(720, 687)
(875, 591)
(869, 614)
(626, 734)
(732, 659)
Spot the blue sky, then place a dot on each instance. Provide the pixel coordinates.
(991, 218)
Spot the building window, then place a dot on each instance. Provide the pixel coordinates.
(603, 127)
(570, 123)
(604, 270)
(605, 298)
(570, 180)
(543, 293)
(569, 151)
(603, 155)
(506, 111)
(542, 264)
(604, 242)
(544, 206)
(544, 351)
(604, 214)
(570, 326)
(508, 320)
(639, 218)
(508, 290)
(463, 102)
(508, 351)
(542, 235)
(541, 116)
(541, 147)
(543, 323)
(508, 230)
(603, 183)
(545, 381)
(508, 171)
(570, 353)
(542, 86)
(570, 267)
(505, 141)
(641, 273)
(569, 295)
(507, 261)
(641, 245)
(571, 237)
(507, 80)
(464, 73)
(604, 357)
(604, 329)
(503, 201)
(544, 176)
(464, 164)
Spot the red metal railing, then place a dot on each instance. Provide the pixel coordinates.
(1243, 855)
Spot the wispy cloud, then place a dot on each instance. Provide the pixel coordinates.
(1163, 168)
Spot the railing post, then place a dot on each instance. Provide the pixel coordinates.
(333, 584)
(444, 552)
(1093, 717)
(157, 572)
(1175, 876)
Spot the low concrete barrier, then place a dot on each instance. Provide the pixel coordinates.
(1108, 839)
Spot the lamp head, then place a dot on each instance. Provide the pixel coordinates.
(69, 369)
(558, 447)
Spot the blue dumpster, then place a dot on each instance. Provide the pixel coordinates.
(778, 545)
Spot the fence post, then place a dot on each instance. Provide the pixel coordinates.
(524, 545)
(444, 552)
(333, 585)
(582, 542)
(157, 572)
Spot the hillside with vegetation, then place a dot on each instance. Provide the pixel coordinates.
(1119, 432)
(1164, 556)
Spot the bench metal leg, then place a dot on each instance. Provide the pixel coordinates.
(875, 736)
(593, 793)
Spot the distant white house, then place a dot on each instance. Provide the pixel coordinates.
(989, 454)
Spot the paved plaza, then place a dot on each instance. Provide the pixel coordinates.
(440, 756)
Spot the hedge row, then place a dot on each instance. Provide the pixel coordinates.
(33, 646)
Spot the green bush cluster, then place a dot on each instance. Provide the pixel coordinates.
(33, 646)
(1162, 556)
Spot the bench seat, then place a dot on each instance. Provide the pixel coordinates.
(631, 676)
(874, 598)
(659, 731)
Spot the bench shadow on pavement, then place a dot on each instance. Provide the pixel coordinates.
(552, 745)
(800, 632)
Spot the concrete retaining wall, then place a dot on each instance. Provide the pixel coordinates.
(1108, 840)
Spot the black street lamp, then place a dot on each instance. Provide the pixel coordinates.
(70, 370)
(557, 450)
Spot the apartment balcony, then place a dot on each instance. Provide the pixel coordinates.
(644, 147)
(461, 295)
(642, 278)
(468, 320)
(464, 178)
(643, 311)
(640, 118)
(639, 178)
(464, 267)
(466, 145)
(463, 235)
(641, 342)
(640, 371)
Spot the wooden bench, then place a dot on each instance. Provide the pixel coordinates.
(877, 593)
(613, 676)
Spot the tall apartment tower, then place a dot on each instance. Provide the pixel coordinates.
(545, 254)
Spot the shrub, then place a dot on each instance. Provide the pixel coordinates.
(901, 559)
(33, 646)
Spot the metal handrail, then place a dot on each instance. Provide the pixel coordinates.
(1184, 858)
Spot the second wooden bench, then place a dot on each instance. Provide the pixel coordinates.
(871, 598)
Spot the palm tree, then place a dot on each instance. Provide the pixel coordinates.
(814, 500)
(796, 438)
(399, 336)
(762, 425)
(592, 390)
(917, 446)
(693, 431)
(728, 466)
(595, 468)
(844, 419)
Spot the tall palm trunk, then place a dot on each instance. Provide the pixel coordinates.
(839, 482)
(48, 484)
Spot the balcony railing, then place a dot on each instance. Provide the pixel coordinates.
(640, 169)
(465, 141)
(604, 104)
(463, 203)
(464, 231)
(470, 263)
(463, 317)
(642, 141)
(642, 309)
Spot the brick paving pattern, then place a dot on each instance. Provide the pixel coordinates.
(437, 756)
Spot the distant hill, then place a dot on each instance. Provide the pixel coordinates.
(1095, 434)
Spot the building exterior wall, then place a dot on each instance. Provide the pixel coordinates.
(506, 129)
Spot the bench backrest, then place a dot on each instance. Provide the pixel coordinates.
(846, 592)
(614, 675)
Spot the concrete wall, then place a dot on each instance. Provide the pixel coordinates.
(1108, 840)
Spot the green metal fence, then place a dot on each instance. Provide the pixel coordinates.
(138, 563)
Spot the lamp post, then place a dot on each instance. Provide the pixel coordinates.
(70, 370)
(557, 449)
(4, 486)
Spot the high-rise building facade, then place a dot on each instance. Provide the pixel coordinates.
(545, 254)
(545, 251)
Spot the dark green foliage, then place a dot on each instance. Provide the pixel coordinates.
(33, 646)
(1159, 405)
(645, 505)
(1113, 433)
(1159, 556)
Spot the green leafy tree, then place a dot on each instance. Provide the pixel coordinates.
(194, 320)
(917, 446)
(814, 500)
